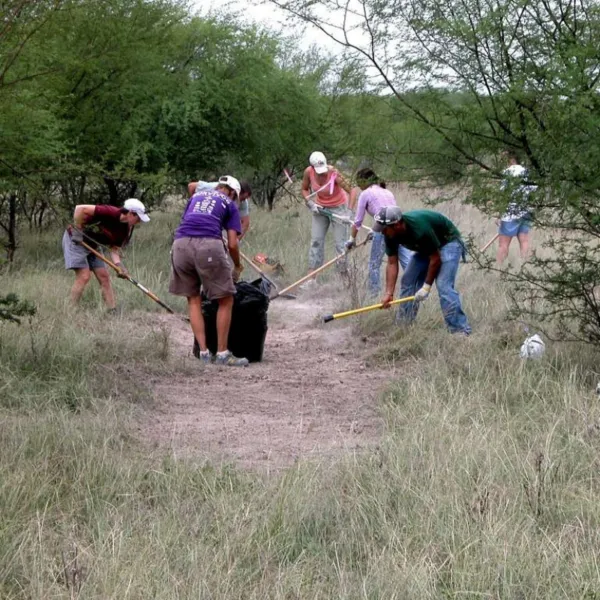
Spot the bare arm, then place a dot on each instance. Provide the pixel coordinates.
(305, 185)
(115, 255)
(343, 183)
(435, 263)
(245, 225)
(391, 277)
(192, 188)
(354, 193)
(82, 213)
(233, 247)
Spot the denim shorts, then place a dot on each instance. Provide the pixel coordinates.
(77, 257)
(514, 228)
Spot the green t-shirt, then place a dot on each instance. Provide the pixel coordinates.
(426, 232)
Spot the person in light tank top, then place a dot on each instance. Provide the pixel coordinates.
(324, 187)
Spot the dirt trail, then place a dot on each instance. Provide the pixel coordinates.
(311, 396)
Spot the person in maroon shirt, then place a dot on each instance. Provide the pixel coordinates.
(99, 224)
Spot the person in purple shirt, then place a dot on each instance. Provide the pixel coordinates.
(198, 258)
(373, 197)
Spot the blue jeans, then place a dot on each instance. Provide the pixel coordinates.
(376, 258)
(320, 225)
(414, 278)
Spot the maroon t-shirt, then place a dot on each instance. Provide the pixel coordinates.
(106, 228)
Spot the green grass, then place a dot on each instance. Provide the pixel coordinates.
(485, 483)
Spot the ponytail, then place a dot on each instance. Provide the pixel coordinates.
(370, 177)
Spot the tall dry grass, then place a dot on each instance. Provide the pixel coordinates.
(485, 483)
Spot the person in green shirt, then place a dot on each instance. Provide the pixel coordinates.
(437, 248)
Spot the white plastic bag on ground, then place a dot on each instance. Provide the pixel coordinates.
(533, 347)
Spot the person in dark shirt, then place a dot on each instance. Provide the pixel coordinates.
(99, 224)
(437, 248)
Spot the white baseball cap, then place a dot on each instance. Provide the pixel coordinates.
(137, 207)
(318, 162)
(231, 182)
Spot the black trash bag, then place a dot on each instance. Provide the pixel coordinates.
(248, 321)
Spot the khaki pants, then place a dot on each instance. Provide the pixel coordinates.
(199, 262)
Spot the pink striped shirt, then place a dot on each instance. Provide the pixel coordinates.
(372, 200)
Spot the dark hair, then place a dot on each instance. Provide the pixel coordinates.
(370, 176)
(245, 187)
(513, 154)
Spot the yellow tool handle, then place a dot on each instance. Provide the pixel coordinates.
(358, 311)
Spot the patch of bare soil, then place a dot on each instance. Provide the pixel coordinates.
(312, 396)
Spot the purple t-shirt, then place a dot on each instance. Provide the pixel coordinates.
(206, 215)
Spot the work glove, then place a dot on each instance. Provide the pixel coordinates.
(122, 273)
(314, 209)
(351, 243)
(387, 299)
(423, 293)
(237, 271)
(76, 235)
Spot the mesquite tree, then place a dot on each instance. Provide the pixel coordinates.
(486, 75)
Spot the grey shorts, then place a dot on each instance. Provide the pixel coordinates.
(77, 257)
(199, 262)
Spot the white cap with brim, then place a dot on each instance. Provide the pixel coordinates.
(135, 206)
(318, 162)
(232, 183)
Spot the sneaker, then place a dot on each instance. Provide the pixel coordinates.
(229, 360)
(206, 357)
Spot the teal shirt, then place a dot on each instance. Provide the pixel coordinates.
(426, 232)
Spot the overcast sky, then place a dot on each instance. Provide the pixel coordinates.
(268, 15)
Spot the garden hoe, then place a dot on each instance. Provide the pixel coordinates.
(364, 309)
(146, 291)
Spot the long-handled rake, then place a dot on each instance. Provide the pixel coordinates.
(364, 309)
(317, 271)
(341, 219)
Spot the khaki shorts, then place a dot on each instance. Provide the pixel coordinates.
(199, 262)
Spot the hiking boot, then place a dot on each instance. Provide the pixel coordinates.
(229, 360)
(206, 357)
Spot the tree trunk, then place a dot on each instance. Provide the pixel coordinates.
(113, 191)
(271, 197)
(11, 230)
